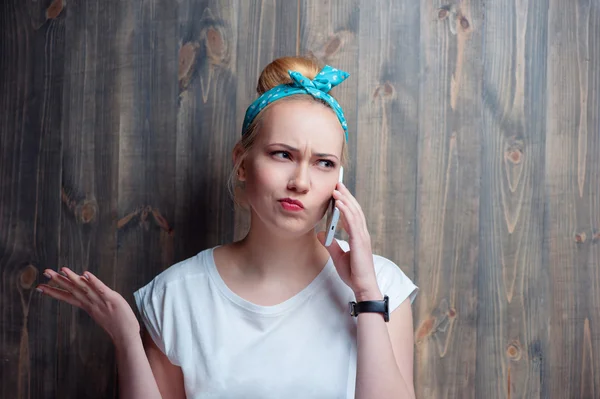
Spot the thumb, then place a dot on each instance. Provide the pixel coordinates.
(335, 251)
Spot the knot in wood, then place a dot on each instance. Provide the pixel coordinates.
(464, 22)
(514, 155)
(513, 150)
(333, 46)
(580, 237)
(55, 9)
(187, 57)
(215, 44)
(28, 276)
(513, 351)
(451, 313)
(87, 211)
(385, 90)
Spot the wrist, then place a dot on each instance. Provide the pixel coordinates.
(371, 294)
(126, 344)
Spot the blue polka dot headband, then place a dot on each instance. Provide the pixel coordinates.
(318, 88)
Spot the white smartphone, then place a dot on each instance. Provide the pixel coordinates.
(333, 217)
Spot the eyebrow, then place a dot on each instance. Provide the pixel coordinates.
(293, 149)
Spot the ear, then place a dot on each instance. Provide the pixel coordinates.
(237, 155)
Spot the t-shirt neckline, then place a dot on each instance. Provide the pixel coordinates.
(271, 310)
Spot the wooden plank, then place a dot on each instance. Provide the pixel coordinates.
(146, 52)
(448, 192)
(89, 191)
(386, 143)
(572, 198)
(329, 32)
(513, 283)
(206, 127)
(32, 51)
(266, 30)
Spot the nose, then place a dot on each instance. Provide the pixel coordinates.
(300, 180)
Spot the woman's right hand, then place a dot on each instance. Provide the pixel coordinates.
(107, 307)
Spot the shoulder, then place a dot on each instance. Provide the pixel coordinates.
(179, 273)
(391, 279)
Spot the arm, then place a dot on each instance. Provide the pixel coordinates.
(385, 353)
(385, 350)
(111, 312)
(134, 372)
(168, 376)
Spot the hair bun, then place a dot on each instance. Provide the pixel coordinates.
(276, 73)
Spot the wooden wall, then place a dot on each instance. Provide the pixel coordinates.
(475, 135)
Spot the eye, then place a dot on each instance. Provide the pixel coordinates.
(281, 154)
(327, 163)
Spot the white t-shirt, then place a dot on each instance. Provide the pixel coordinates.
(228, 347)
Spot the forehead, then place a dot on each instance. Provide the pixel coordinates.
(303, 122)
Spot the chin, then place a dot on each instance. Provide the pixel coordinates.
(292, 228)
(289, 231)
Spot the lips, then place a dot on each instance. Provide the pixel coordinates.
(292, 201)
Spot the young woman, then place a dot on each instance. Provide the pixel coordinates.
(268, 316)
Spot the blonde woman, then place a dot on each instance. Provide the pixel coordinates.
(268, 316)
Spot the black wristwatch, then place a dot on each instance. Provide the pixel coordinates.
(382, 307)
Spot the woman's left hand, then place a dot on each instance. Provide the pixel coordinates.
(355, 267)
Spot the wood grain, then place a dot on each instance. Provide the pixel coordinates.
(474, 138)
(572, 188)
(386, 143)
(90, 148)
(513, 283)
(30, 171)
(146, 52)
(448, 192)
(206, 126)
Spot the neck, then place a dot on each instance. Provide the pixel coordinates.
(268, 254)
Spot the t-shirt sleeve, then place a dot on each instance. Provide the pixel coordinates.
(153, 305)
(391, 279)
(393, 282)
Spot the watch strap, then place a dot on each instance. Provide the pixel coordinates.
(371, 307)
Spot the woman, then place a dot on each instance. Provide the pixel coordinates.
(267, 316)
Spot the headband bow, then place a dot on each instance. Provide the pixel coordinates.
(325, 80)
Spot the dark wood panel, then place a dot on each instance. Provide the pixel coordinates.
(448, 190)
(266, 30)
(206, 126)
(572, 204)
(90, 147)
(32, 48)
(513, 283)
(146, 52)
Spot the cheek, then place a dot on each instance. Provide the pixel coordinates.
(264, 178)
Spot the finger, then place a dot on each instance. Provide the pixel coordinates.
(352, 206)
(101, 289)
(345, 216)
(354, 216)
(61, 295)
(351, 222)
(351, 201)
(82, 287)
(58, 280)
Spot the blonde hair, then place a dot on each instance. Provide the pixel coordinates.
(275, 74)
